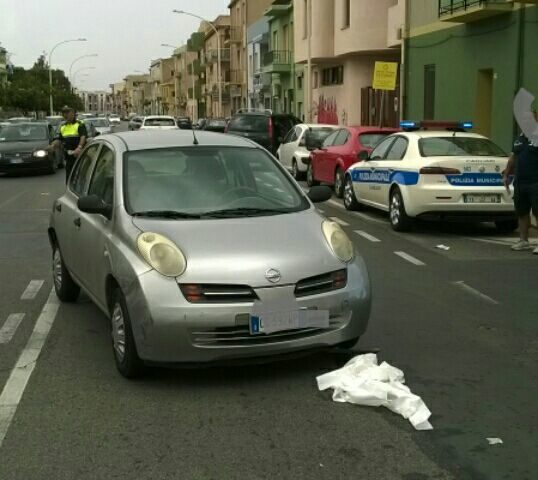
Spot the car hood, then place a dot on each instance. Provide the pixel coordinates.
(23, 147)
(240, 250)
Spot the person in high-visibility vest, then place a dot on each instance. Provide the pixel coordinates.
(72, 134)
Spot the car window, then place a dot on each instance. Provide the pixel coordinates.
(370, 140)
(290, 137)
(159, 122)
(330, 139)
(24, 133)
(381, 150)
(341, 138)
(102, 182)
(249, 123)
(82, 170)
(459, 147)
(398, 149)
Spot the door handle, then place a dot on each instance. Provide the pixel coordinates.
(58, 207)
(77, 222)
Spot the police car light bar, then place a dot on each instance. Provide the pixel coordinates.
(435, 125)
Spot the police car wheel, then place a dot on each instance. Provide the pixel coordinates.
(350, 200)
(310, 176)
(339, 183)
(506, 226)
(399, 219)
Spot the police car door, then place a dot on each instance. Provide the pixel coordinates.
(367, 180)
(390, 171)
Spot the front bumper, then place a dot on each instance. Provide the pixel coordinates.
(27, 164)
(170, 330)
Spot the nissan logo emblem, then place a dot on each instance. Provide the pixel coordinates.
(273, 276)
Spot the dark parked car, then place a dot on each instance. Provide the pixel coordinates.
(264, 127)
(135, 123)
(184, 123)
(23, 147)
(215, 125)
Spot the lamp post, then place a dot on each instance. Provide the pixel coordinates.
(77, 59)
(81, 70)
(51, 101)
(183, 12)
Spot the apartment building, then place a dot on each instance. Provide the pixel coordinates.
(209, 63)
(168, 87)
(466, 60)
(243, 13)
(155, 80)
(348, 37)
(258, 83)
(119, 99)
(97, 102)
(137, 94)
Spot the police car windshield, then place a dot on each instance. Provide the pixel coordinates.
(459, 147)
(24, 133)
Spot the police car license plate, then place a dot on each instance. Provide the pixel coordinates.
(482, 198)
(16, 160)
(272, 322)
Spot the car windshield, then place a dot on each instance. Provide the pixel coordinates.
(99, 122)
(208, 181)
(370, 140)
(249, 123)
(459, 147)
(159, 122)
(24, 133)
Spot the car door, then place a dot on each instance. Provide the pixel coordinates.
(335, 154)
(366, 180)
(95, 230)
(287, 148)
(66, 210)
(321, 157)
(388, 168)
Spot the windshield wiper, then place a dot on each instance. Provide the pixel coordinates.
(165, 214)
(245, 212)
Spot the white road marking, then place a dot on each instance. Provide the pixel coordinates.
(32, 289)
(336, 204)
(368, 218)
(339, 221)
(10, 327)
(409, 258)
(367, 236)
(506, 241)
(12, 199)
(475, 292)
(18, 379)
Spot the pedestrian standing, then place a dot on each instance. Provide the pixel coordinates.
(523, 165)
(72, 134)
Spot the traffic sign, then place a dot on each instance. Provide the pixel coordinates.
(385, 75)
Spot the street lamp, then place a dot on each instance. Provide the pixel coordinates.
(80, 58)
(82, 70)
(183, 12)
(51, 101)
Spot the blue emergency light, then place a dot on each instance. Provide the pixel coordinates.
(409, 125)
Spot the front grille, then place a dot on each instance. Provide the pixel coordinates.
(212, 293)
(239, 335)
(321, 283)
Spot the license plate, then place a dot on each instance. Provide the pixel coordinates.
(16, 160)
(272, 322)
(482, 198)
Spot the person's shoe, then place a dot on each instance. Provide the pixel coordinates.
(521, 246)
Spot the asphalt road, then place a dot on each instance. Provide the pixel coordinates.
(469, 349)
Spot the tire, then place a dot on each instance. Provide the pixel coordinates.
(350, 200)
(310, 176)
(399, 219)
(126, 356)
(506, 226)
(64, 285)
(339, 183)
(297, 174)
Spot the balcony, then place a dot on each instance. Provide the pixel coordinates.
(466, 11)
(237, 77)
(225, 94)
(277, 61)
(212, 55)
(236, 35)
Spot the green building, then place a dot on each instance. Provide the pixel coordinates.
(466, 59)
(278, 62)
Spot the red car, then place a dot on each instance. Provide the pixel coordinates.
(339, 151)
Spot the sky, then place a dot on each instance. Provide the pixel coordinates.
(126, 34)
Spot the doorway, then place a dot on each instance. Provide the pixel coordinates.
(484, 100)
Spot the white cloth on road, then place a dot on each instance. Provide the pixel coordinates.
(363, 382)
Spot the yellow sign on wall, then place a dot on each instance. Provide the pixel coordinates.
(385, 75)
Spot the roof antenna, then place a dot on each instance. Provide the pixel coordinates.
(195, 140)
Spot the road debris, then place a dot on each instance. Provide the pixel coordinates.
(443, 247)
(363, 382)
(494, 441)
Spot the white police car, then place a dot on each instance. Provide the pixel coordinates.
(433, 169)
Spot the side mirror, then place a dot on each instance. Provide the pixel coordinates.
(320, 194)
(363, 156)
(93, 204)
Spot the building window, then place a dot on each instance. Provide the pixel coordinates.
(316, 79)
(429, 92)
(300, 83)
(346, 16)
(305, 19)
(332, 76)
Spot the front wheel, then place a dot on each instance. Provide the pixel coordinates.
(310, 181)
(297, 174)
(506, 226)
(64, 285)
(350, 200)
(399, 220)
(339, 183)
(126, 356)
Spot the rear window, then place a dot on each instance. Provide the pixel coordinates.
(319, 134)
(249, 123)
(459, 147)
(159, 122)
(370, 140)
(217, 123)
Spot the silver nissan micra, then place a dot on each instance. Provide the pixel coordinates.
(201, 248)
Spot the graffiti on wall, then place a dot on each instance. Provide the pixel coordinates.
(327, 110)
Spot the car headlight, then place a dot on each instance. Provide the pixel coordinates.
(161, 254)
(40, 153)
(338, 240)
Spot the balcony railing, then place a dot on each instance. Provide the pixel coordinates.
(279, 57)
(471, 10)
(212, 56)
